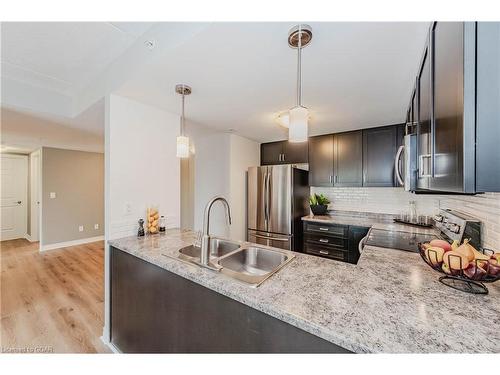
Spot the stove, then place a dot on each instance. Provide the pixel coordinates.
(397, 240)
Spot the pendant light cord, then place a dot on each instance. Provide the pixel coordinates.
(182, 116)
(299, 69)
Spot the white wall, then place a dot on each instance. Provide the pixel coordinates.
(141, 169)
(485, 207)
(244, 153)
(221, 162)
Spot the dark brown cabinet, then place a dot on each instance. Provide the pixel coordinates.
(354, 159)
(156, 311)
(347, 159)
(283, 152)
(379, 150)
(333, 241)
(321, 160)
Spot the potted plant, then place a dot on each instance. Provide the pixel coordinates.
(318, 204)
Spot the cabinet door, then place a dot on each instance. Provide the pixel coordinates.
(321, 160)
(348, 159)
(270, 153)
(294, 153)
(448, 56)
(379, 152)
(424, 121)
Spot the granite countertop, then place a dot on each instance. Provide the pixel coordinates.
(390, 302)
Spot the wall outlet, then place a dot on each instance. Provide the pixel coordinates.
(80, 228)
(52, 195)
(96, 226)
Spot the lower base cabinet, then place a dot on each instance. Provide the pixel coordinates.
(156, 311)
(333, 241)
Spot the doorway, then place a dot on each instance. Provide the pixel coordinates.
(14, 196)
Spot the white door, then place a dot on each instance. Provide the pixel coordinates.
(35, 195)
(13, 194)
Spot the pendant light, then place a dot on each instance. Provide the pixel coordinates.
(182, 140)
(299, 37)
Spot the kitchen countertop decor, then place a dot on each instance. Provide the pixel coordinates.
(390, 302)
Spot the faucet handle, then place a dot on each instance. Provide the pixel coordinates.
(197, 241)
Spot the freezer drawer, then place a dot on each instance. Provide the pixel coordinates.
(270, 239)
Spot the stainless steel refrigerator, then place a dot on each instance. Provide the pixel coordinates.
(277, 198)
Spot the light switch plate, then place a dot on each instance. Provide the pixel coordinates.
(96, 226)
(52, 195)
(80, 228)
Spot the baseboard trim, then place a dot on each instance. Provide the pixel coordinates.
(110, 345)
(81, 241)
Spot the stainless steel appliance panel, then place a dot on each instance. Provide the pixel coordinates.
(270, 239)
(280, 199)
(257, 211)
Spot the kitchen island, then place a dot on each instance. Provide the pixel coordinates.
(390, 302)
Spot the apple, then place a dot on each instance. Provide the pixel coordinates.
(442, 244)
(493, 267)
(496, 256)
(455, 260)
(447, 270)
(434, 255)
(476, 270)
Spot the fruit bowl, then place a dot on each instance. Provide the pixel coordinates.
(461, 272)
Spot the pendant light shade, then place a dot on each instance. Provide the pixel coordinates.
(298, 129)
(182, 146)
(182, 140)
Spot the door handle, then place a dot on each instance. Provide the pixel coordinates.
(19, 202)
(397, 165)
(271, 238)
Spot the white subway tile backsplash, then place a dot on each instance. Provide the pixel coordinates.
(485, 207)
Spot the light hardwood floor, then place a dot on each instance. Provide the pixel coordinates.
(53, 299)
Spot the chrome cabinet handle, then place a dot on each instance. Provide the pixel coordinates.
(323, 229)
(323, 240)
(324, 252)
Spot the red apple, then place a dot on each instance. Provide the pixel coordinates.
(476, 270)
(442, 244)
(493, 267)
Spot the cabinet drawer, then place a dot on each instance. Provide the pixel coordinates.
(332, 230)
(325, 251)
(335, 242)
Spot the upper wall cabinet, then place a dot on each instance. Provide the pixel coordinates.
(321, 160)
(458, 86)
(379, 150)
(283, 152)
(347, 159)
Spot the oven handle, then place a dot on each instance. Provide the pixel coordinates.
(362, 244)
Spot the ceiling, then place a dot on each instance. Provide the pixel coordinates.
(64, 56)
(355, 75)
(25, 131)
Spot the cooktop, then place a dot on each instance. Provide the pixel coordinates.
(397, 240)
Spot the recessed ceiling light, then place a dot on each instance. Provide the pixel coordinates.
(150, 44)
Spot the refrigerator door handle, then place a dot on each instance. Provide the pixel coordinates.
(268, 199)
(266, 218)
(271, 238)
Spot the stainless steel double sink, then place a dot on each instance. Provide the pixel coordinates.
(246, 262)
